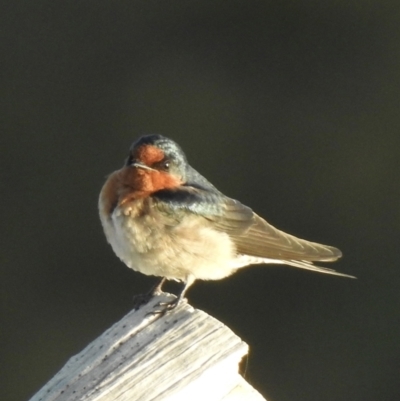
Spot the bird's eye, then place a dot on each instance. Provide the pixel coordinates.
(163, 165)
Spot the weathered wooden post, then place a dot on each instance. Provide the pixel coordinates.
(185, 355)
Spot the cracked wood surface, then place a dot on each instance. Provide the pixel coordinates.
(183, 355)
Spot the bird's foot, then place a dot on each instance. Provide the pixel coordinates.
(164, 307)
(143, 299)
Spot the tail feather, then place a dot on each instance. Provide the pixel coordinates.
(309, 266)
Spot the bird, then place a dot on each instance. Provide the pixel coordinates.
(163, 218)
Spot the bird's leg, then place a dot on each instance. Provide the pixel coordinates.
(142, 299)
(157, 289)
(168, 306)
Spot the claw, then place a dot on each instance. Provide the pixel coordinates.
(163, 307)
(143, 299)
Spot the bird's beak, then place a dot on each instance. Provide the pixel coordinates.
(143, 166)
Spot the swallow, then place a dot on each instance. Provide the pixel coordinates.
(162, 218)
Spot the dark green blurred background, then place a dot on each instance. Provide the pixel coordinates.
(290, 106)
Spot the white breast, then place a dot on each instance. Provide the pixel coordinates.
(154, 244)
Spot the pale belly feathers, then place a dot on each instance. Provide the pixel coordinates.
(148, 244)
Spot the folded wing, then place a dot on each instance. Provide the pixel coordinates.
(260, 239)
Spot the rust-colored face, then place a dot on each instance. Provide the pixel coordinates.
(148, 155)
(143, 182)
(147, 171)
